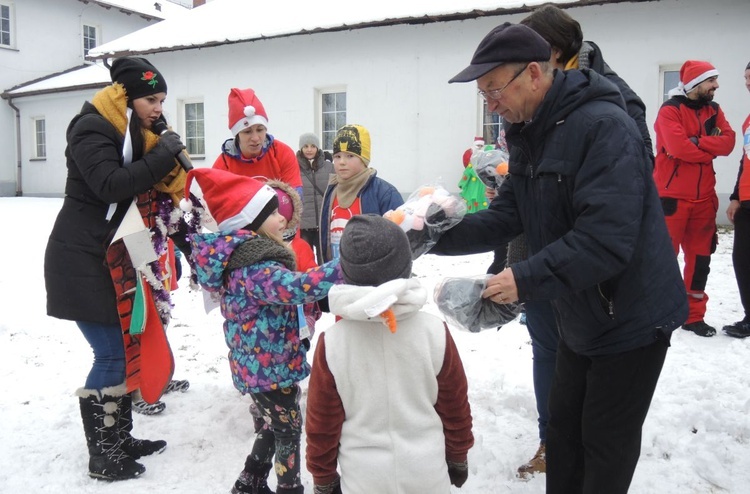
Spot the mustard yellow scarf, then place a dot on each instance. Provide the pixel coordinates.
(111, 103)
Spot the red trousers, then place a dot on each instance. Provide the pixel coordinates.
(692, 226)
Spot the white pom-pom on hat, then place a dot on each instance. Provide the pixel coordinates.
(249, 110)
(186, 205)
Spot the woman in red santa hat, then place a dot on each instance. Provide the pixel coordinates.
(253, 152)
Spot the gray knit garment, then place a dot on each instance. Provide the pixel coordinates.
(374, 250)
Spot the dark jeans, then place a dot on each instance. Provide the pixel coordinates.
(597, 409)
(540, 321)
(310, 235)
(280, 436)
(740, 257)
(109, 354)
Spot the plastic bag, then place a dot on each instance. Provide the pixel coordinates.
(427, 213)
(491, 166)
(460, 301)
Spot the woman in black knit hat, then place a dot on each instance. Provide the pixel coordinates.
(116, 164)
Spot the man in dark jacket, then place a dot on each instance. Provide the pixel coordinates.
(580, 188)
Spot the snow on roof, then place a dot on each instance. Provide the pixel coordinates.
(227, 21)
(159, 9)
(86, 76)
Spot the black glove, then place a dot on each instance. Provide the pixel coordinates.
(332, 488)
(171, 141)
(458, 472)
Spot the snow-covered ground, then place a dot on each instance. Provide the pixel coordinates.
(695, 440)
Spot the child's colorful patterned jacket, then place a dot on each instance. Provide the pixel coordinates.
(260, 290)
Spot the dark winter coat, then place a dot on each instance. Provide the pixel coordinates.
(633, 103)
(580, 187)
(314, 182)
(376, 197)
(78, 282)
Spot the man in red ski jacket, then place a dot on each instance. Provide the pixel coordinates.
(690, 132)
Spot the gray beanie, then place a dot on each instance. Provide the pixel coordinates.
(309, 138)
(374, 250)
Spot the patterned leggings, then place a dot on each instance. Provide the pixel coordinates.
(280, 435)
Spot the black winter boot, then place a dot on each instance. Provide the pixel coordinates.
(253, 479)
(107, 460)
(135, 448)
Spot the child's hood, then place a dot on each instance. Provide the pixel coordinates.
(404, 297)
(211, 253)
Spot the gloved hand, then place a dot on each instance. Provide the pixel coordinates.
(694, 140)
(458, 472)
(171, 141)
(332, 488)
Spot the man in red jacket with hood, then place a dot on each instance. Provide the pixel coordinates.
(690, 132)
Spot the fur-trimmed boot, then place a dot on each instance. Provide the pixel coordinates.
(100, 412)
(253, 479)
(135, 448)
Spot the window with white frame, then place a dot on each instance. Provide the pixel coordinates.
(39, 127)
(195, 136)
(332, 115)
(90, 38)
(490, 123)
(6, 24)
(670, 79)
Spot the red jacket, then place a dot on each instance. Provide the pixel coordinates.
(277, 161)
(684, 170)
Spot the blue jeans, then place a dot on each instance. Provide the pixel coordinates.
(540, 321)
(109, 354)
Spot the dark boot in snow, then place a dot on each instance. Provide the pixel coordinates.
(738, 330)
(253, 479)
(135, 448)
(100, 414)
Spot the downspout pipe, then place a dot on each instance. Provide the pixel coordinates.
(19, 169)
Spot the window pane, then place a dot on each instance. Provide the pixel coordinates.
(194, 129)
(329, 101)
(40, 139)
(490, 125)
(671, 79)
(4, 25)
(89, 38)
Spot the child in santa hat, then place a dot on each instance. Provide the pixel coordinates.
(252, 151)
(255, 274)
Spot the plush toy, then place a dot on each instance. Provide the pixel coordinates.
(427, 213)
(491, 166)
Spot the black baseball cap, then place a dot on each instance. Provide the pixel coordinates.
(507, 43)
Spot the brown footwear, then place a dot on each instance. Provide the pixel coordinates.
(538, 464)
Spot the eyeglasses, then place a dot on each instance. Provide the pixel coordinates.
(495, 94)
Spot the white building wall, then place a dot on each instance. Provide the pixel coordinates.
(396, 81)
(48, 39)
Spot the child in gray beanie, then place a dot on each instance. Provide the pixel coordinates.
(385, 350)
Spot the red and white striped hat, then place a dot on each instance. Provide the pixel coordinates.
(693, 72)
(245, 110)
(234, 201)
